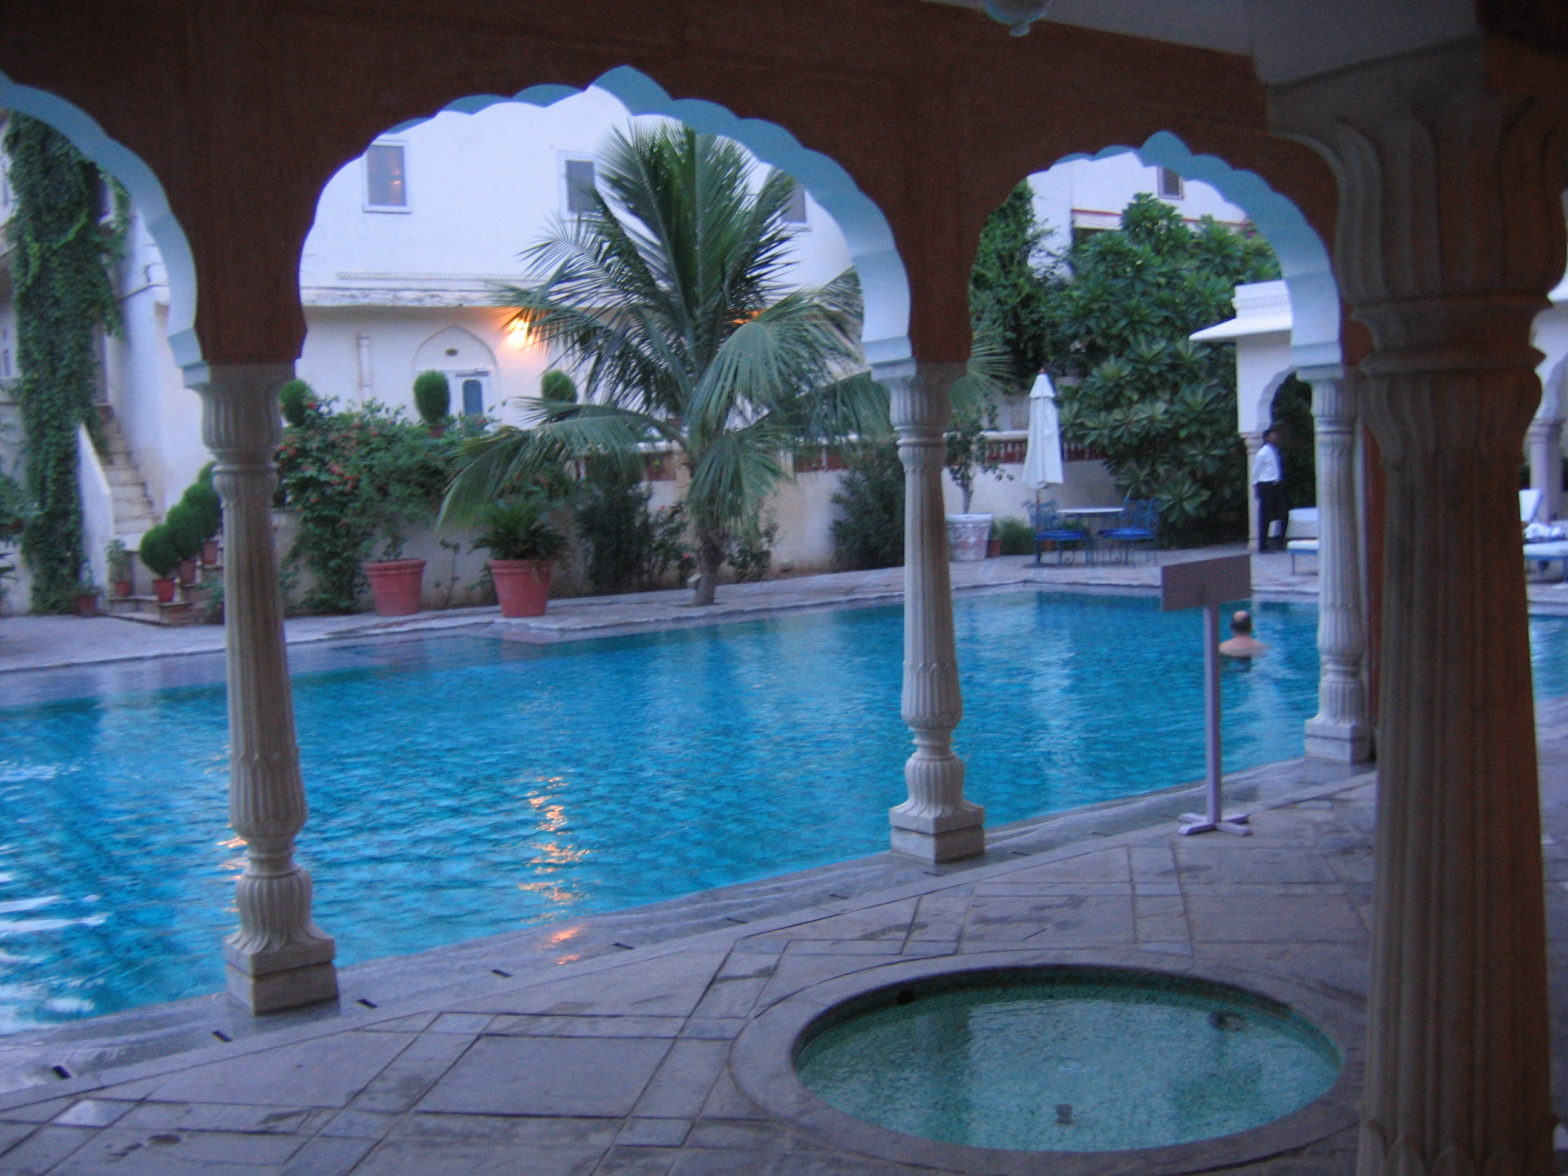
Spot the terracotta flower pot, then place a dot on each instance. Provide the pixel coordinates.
(87, 604)
(522, 586)
(188, 571)
(163, 588)
(396, 585)
(122, 588)
(209, 552)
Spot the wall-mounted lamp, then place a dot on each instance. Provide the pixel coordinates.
(1017, 15)
(518, 335)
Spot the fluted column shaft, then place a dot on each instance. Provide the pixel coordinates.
(1545, 447)
(1450, 234)
(1253, 442)
(1341, 730)
(277, 958)
(936, 823)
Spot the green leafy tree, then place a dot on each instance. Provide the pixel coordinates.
(1012, 288)
(62, 251)
(1160, 408)
(669, 298)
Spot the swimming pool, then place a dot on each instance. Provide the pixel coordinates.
(465, 786)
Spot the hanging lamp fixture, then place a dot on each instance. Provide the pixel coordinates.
(1017, 15)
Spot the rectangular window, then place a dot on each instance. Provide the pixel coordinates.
(1170, 184)
(579, 180)
(386, 179)
(795, 207)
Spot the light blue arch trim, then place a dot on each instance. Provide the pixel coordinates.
(145, 189)
(883, 279)
(1303, 260)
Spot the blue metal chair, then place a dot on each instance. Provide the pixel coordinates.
(1050, 528)
(1139, 523)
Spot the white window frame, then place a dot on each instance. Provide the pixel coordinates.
(369, 205)
(566, 186)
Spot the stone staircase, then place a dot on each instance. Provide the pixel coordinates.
(133, 509)
(133, 515)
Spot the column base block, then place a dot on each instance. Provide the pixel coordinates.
(275, 991)
(933, 845)
(273, 979)
(1345, 743)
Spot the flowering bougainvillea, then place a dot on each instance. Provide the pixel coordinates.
(356, 479)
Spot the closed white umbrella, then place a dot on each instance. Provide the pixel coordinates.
(1043, 450)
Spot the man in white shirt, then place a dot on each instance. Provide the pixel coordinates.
(1268, 474)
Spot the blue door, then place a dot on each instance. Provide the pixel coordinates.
(473, 397)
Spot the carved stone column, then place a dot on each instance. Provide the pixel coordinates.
(936, 823)
(1450, 234)
(1544, 443)
(1253, 442)
(278, 958)
(1341, 730)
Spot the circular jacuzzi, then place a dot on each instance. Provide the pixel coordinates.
(1066, 1059)
(1044, 1065)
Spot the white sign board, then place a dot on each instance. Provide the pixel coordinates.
(1201, 582)
(1207, 584)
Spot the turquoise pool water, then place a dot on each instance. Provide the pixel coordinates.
(1073, 1059)
(465, 786)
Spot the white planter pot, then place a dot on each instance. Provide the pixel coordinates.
(966, 536)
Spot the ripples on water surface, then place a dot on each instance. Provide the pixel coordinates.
(465, 786)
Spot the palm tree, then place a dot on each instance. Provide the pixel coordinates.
(668, 298)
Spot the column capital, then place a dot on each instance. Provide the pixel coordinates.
(1450, 229)
(242, 411)
(918, 393)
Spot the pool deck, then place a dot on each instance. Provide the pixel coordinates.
(654, 1041)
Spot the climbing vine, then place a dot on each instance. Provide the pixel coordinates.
(62, 253)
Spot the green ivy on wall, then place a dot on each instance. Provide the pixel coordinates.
(61, 253)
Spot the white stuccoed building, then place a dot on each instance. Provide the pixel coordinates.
(399, 275)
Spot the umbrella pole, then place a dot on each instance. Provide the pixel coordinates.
(1036, 522)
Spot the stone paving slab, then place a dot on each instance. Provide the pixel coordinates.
(503, 1056)
(592, 1067)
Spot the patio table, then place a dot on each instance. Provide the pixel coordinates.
(1090, 515)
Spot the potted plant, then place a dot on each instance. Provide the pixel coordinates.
(522, 548)
(207, 509)
(86, 597)
(968, 455)
(184, 526)
(118, 561)
(433, 400)
(159, 553)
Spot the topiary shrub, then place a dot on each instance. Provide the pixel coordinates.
(557, 386)
(158, 552)
(432, 397)
(184, 525)
(205, 505)
(297, 399)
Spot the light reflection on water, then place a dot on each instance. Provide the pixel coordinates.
(464, 786)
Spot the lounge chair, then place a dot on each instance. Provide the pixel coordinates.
(1301, 534)
(1139, 523)
(1049, 527)
(1548, 551)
